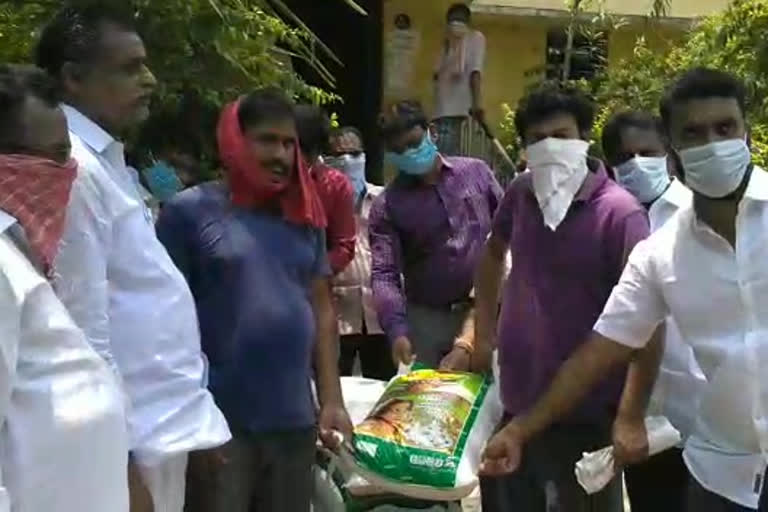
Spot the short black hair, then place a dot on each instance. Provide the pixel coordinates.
(314, 127)
(267, 104)
(458, 11)
(611, 139)
(702, 83)
(17, 83)
(402, 117)
(550, 100)
(74, 34)
(347, 130)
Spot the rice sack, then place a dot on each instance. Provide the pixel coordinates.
(425, 435)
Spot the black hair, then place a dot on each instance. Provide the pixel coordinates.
(17, 83)
(458, 11)
(268, 104)
(702, 83)
(611, 139)
(402, 117)
(74, 35)
(314, 128)
(550, 100)
(346, 130)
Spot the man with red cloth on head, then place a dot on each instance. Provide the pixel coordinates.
(254, 253)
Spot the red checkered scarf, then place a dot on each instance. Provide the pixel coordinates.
(36, 191)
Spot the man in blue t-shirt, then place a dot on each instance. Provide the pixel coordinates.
(253, 250)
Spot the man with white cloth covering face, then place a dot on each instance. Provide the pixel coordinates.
(635, 145)
(114, 276)
(64, 444)
(706, 269)
(569, 228)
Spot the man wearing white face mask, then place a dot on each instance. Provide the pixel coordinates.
(706, 269)
(361, 334)
(636, 147)
(458, 79)
(569, 228)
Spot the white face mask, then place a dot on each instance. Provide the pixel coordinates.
(558, 169)
(457, 29)
(646, 178)
(717, 169)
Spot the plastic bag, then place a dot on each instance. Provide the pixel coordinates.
(425, 435)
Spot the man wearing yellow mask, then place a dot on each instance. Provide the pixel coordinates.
(458, 79)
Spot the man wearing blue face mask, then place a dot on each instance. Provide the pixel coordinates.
(706, 268)
(635, 145)
(426, 232)
(361, 334)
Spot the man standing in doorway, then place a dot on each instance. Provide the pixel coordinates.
(706, 269)
(569, 228)
(254, 253)
(427, 231)
(360, 332)
(114, 276)
(636, 147)
(332, 186)
(458, 79)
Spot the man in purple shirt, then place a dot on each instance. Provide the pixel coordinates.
(427, 232)
(570, 229)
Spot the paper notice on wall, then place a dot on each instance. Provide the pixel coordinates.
(400, 52)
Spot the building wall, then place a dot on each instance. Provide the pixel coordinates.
(516, 45)
(678, 8)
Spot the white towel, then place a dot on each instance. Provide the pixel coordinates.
(595, 470)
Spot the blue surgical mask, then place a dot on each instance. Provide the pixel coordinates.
(646, 178)
(416, 161)
(354, 168)
(162, 180)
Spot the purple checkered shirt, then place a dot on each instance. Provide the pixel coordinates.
(432, 236)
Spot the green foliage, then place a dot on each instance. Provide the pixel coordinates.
(732, 40)
(203, 52)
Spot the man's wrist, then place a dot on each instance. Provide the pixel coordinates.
(464, 345)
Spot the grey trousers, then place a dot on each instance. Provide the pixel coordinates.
(701, 500)
(432, 331)
(545, 481)
(267, 472)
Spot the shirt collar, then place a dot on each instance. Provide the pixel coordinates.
(6, 221)
(90, 132)
(409, 181)
(677, 195)
(757, 189)
(594, 180)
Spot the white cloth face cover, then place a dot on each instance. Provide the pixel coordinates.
(558, 170)
(717, 169)
(646, 178)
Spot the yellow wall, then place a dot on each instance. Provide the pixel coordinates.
(515, 45)
(679, 8)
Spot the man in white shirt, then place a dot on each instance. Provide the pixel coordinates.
(114, 276)
(635, 146)
(458, 79)
(361, 334)
(706, 269)
(63, 445)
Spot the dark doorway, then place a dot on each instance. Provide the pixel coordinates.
(356, 40)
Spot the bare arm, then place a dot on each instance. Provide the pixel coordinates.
(590, 364)
(326, 345)
(476, 85)
(487, 286)
(641, 378)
